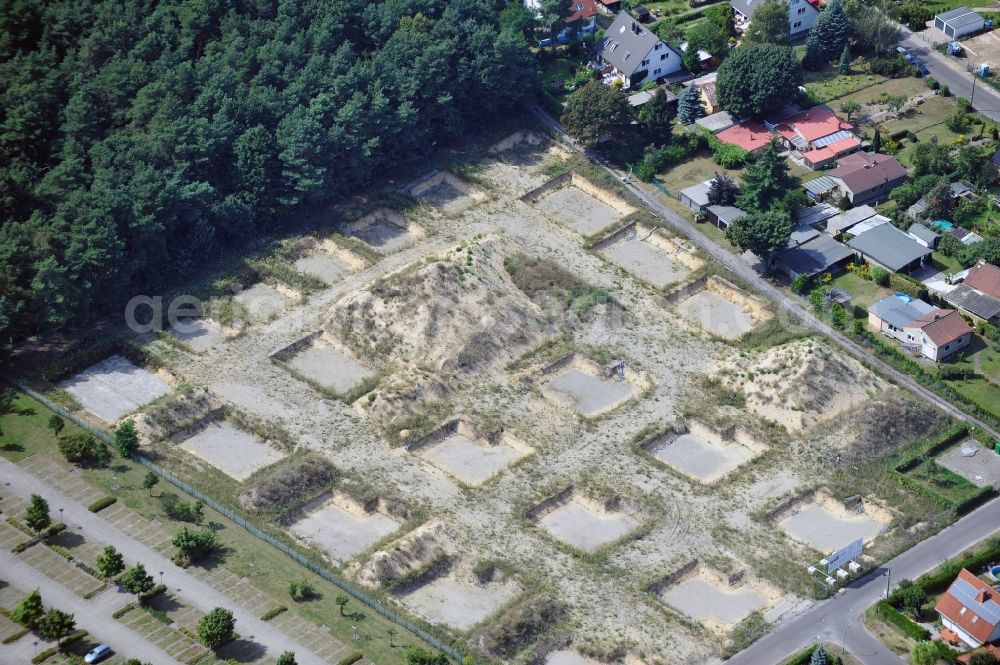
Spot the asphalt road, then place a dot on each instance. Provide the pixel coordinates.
(837, 620)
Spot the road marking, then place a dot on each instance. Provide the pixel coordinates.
(969, 49)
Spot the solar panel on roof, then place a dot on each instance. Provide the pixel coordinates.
(966, 594)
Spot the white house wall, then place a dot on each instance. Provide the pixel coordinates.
(806, 18)
(667, 66)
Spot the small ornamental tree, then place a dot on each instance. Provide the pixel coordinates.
(287, 658)
(110, 562)
(126, 438)
(342, 603)
(689, 106)
(149, 481)
(216, 628)
(56, 424)
(850, 107)
(137, 580)
(876, 141)
(37, 514)
(819, 657)
(29, 610)
(56, 624)
(844, 66)
(723, 190)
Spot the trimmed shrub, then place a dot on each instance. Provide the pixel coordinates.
(273, 612)
(101, 504)
(351, 658)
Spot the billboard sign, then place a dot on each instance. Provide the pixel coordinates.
(844, 555)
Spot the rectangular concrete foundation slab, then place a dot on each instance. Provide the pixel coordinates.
(826, 529)
(262, 301)
(568, 657)
(716, 314)
(980, 469)
(578, 526)
(579, 210)
(114, 388)
(232, 451)
(705, 599)
(472, 462)
(330, 368)
(323, 266)
(199, 334)
(646, 261)
(590, 394)
(701, 459)
(341, 533)
(455, 603)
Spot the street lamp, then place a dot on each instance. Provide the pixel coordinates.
(161, 578)
(973, 97)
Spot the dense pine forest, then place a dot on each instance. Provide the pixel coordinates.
(141, 137)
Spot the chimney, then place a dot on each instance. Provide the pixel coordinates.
(982, 596)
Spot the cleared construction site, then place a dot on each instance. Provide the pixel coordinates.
(510, 402)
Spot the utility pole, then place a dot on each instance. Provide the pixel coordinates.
(973, 98)
(888, 578)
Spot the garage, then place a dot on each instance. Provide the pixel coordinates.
(959, 22)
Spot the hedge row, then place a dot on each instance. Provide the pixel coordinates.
(123, 610)
(901, 621)
(350, 658)
(14, 637)
(940, 578)
(152, 593)
(101, 504)
(954, 435)
(51, 651)
(273, 612)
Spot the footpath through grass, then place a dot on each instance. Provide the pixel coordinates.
(25, 433)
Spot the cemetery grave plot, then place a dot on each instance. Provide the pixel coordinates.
(580, 204)
(974, 462)
(568, 657)
(232, 451)
(581, 384)
(447, 192)
(343, 527)
(825, 524)
(386, 230)
(717, 600)
(649, 254)
(704, 453)
(329, 263)
(458, 600)
(459, 450)
(262, 301)
(114, 387)
(198, 334)
(722, 309)
(583, 523)
(317, 359)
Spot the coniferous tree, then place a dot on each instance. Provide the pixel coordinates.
(723, 190)
(689, 105)
(657, 117)
(844, 66)
(765, 180)
(876, 141)
(819, 657)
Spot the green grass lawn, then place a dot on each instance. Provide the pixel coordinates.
(908, 86)
(697, 169)
(983, 393)
(25, 433)
(829, 84)
(946, 263)
(932, 112)
(863, 291)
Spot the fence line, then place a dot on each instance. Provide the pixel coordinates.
(315, 566)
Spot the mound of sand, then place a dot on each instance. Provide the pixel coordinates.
(800, 383)
(409, 554)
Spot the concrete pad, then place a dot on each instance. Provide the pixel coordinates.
(568, 657)
(982, 468)
(706, 599)
(343, 533)
(579, 210)
(199, 334)
(232, 451)
(458, 604)
(702, 458)
(386, 230)
(472, 461)
(330, 368)
(716, 314)
(447, 192)
(646, 261)
(577, 525)
(826, 525)
(114, 388)
(262, 301)
(323, 266)
(591, 395)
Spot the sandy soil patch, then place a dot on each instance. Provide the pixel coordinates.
(342, 527)
(114, 388)
(650, 255)
(329, 367)
(708, 596)
(262, 301)
(568, 657)
(409, 554)
(232, 451)
(386, 230)
(590, 389)
(981, 467)
(199, 334)
(474, 459)
(825, 524)
(585, 524)
(447, 192)
(703, 453)
(579, 210)
(457, 602)
(801, 383)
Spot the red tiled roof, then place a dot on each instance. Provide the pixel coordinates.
(985, 278)
(582, 10)
(951, 607)
(942, 326)
(748, 135)
(831, 151)
(815, 123)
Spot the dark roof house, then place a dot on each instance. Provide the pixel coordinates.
(887, 246)
(818, 255)
(863, 177)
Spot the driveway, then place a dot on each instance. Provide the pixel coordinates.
(194, 591)
(92, 615)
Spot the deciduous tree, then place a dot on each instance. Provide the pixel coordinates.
(37, 514)
(149, 481)
(110, 562)
(136, 580)
(769, 24)
(216, 628)
(763, 233)
(597, 111)
(126, 438)
(29, 610)
(56, 624)
(757, 79)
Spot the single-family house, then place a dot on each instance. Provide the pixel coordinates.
(579, 23)
(817, 255)
(969, 608)
(959, 22)
(843, 222)
(923, 235)
(985, 278)
(633, 54)
(723, 216)
(801, 13)
(864, 177)
(813, 128)
(819, 158)
(705, 85)
(695, 197)
(749, 135)
(936, 333)
(888, 247)
(611, 6)
(978, 296)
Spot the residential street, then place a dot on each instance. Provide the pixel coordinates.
(192, 590)
(92, 615)
(838, 619)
